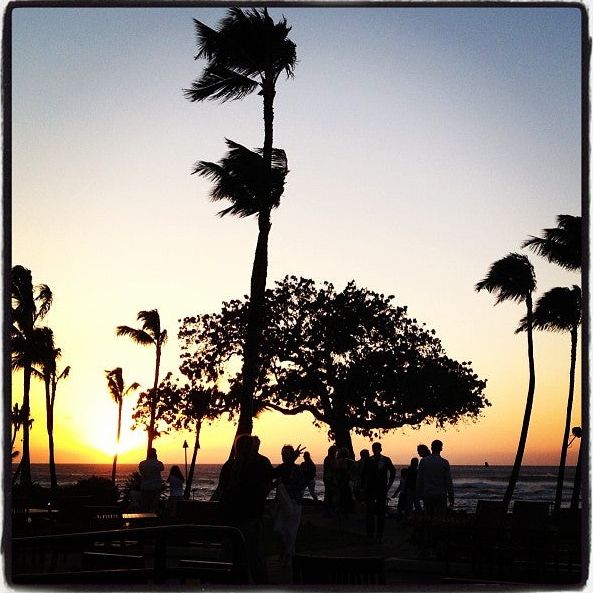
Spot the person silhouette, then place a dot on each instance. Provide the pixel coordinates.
(290, 486)
(151, 482)
(175, 481)
(378, 476)
(433, 483)
(309, 471)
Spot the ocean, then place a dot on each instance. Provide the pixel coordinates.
(471, 482)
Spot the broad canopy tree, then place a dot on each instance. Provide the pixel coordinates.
(352, 359)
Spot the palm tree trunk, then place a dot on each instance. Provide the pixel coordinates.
(153, 399)
(576, 489)
(259, 273)
(50, 436)
(564, 450)
(528, 406)
(192, 466)
(114, 468)
(25, 472)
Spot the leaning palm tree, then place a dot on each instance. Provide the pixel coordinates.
(149, 335)
(46, 370)
(239, 178)
(512, 278)
(559, 310)
(29, 305)
(561, 245)
(118, 391)
(248, 52)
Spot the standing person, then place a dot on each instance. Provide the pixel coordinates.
(379, 475)
(151, 482)
(433, 483)
(329, 481)
(309, 472)
(423, 451)
(358, 487)
(289, 494)
(401, 494)
(343, 472)
(412, 500)
(175, 481)
(244, 485)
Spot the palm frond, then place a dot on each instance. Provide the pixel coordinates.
(137, 335)
(511, 278)
(239, 178)
(44, 299)
(131, 388)
(561, 245)
(163, 337)
(64, 374)
(217, 83)
(151, 321)
(558, 310)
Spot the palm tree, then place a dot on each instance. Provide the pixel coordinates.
(48, 373)
(248, 52)
(118, 391)
(29, 305)
(150, 335)
(512, 278)
(559, 310)
(561, 245)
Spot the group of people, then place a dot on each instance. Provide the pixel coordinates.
(425, 485)
(248, 477)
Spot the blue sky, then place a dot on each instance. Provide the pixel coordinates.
(423, 144)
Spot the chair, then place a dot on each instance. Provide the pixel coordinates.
(341, 570)
(488, 534)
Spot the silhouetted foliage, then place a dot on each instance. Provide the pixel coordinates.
(512, 278)
(559, 310)
(352, 359)
(101, 490)
(48, 373)
(561, 245)
(247, 52)
(149, 335)
(186, 406)
(118, 391)
(29, 305)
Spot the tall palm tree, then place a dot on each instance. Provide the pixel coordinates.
(559, 310)
(29, 305)
(48, 373)
(149, 335)
(512, 278)
(561, 245)
(118, 391)
(248, 52)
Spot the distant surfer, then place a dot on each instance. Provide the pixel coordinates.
(486, 464)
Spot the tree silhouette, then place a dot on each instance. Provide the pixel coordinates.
(512, 278)
(559, 310)
(150, 335)
(118, 391)
(248, 52)
(561, 245)
(186, 407)
(352, 359)
(48, 373)
(29, 304)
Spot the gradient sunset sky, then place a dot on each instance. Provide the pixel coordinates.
(423, 145)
